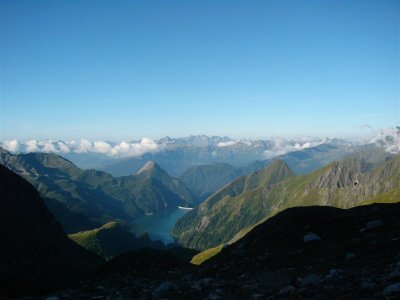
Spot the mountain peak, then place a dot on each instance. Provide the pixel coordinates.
(278, 164)
(150, 165)
(276, 171)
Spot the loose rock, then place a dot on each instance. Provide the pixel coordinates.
(373, 224)
(311, 237)
(392, 289)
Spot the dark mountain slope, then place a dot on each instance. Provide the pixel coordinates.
(36, 255)
(355, 255)
(358, 251)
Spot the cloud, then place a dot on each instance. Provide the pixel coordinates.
(122, 149)
(31, 146)
(102, 147)
(227, 144)
(145, 145)
(388, 139)
(47, 146)
(64, 148)
(12, 146)
(82, 146)
(282, 146)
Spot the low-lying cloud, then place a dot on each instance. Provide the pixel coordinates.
(227, 144)
(388, 139)
(282, 146)
(122, 149)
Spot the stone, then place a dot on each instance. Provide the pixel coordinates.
(187, 277)
(311, 237)
(196, 286)
(373, 224)
(334, 274)
(163, 287)
(287, 290)
(207, 280)
(350, 256)
(367, 284)
(392, 289)
(310, 280)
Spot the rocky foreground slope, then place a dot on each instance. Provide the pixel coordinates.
(301, 253)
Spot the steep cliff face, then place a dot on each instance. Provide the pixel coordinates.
(36, 255)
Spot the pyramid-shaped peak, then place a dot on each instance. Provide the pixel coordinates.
(148, 167)
(277, 165)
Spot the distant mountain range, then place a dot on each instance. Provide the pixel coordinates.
(175, 155)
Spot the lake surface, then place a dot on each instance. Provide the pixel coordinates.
(159, 226)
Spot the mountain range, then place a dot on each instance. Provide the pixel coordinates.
(244, 202)
(85, 199)
(203, 180)
(175, 155)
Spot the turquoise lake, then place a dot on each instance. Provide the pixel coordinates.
(159, 226)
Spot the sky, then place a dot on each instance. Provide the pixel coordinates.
(120, 70)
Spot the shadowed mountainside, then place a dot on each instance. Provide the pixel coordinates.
(36, 255)
(301, 253)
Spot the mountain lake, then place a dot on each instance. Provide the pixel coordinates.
(159, 226)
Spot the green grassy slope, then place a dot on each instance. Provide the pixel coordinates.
(112, 239)
(249, 199)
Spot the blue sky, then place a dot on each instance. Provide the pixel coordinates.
(119, 70)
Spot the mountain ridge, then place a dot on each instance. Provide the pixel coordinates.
(92, 197)
(340, 184)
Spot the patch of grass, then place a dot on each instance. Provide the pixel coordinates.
(392, 196)
(205, 255)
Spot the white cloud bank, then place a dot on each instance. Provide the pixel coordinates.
(122, 149)
(389, 139)
(282, 146)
